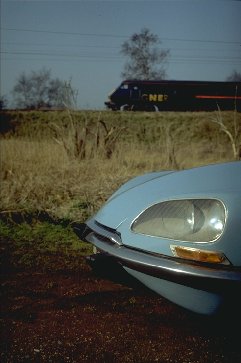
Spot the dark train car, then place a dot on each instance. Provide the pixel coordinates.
(136, 95)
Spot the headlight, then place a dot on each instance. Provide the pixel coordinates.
(191, 220)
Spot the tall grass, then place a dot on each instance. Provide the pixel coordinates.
(38, 171)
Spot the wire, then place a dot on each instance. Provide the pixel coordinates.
(66, 33)
(120, 36)
(116, 57)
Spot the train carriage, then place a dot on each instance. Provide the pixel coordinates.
(137, 95)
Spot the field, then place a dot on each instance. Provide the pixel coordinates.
(67, 164)
(58, 168)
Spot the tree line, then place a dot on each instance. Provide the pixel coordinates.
(145, 59)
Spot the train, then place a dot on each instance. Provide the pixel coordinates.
(168, 95)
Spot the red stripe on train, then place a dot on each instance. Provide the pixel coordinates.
(219, 97)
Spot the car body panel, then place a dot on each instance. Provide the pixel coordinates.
(217, 181)
(185, 295)
(197, 286)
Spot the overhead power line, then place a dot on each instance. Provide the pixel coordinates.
(67, 33)
(114, 57)
(96, 46)
(122, 36)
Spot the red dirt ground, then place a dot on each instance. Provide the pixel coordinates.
(73, 317)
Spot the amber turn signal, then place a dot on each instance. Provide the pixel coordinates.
(199, 255)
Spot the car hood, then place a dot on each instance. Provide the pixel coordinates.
(213, 181)
(127, 199)
(216, 181)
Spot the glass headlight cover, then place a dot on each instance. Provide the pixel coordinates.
(190, 220)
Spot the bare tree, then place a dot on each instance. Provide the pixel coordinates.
(233, 134)
(3, 102)
(38, 89)
(145, 58)
(22, 91)
(234, 77)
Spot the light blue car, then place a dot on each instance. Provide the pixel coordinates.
(178, 232)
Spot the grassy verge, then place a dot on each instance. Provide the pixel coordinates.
(40, 245)
(68, 165)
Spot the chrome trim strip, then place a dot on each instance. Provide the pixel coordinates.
(104, 232)
(200, 276)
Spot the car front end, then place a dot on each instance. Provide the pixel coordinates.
(178, 233)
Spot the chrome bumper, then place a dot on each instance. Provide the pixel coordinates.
(218, 278)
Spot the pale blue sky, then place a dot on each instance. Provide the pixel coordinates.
(81, 40)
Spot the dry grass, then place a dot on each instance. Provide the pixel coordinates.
(39, 173)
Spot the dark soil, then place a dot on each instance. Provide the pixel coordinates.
(77, 316)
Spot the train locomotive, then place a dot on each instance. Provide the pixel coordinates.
(139, 95)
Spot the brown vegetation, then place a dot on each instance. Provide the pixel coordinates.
(69, 163)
